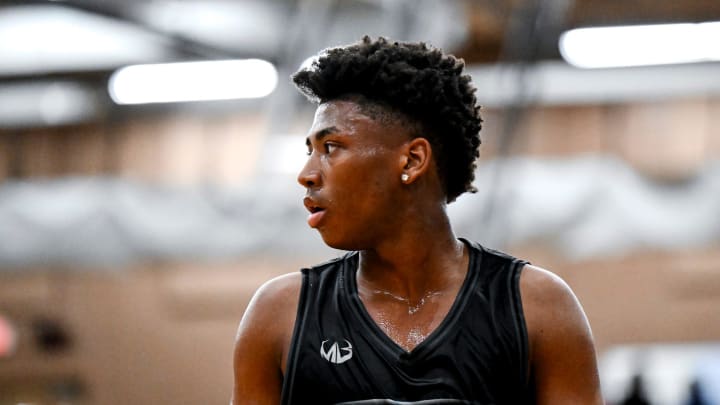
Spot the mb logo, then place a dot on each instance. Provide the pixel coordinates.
(336, 354)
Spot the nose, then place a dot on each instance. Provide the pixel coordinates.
(309, 176)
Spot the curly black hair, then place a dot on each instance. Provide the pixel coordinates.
(415, 79)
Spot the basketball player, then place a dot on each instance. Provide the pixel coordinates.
(412, 314)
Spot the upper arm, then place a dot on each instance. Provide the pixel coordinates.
(262, 340)
(562, 353)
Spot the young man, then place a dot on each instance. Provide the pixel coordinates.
(413, 314)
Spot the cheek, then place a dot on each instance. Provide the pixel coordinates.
(372, 189)
(367, 175)
(363, 186)
(377, 172)
(373, 204)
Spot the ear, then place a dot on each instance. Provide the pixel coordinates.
(416, 159)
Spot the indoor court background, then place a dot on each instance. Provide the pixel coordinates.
(133, 235)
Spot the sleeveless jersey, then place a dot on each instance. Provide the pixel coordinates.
(477, 355)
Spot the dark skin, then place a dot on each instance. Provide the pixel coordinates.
(353, 181)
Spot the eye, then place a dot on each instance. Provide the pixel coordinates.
(329, 147)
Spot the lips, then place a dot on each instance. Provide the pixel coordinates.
(317, 212)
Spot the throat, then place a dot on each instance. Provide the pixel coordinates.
(410, 300)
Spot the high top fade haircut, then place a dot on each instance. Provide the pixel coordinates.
(413, 82)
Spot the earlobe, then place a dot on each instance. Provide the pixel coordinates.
(417, 159)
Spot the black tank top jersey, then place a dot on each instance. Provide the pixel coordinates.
(477, 355)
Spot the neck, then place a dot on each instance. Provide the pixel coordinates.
(423, 258)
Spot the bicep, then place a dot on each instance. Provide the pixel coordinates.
(260, 342)
(562, 356)
(257, 376)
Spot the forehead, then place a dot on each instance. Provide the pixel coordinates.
(341, 114)
(351, 118)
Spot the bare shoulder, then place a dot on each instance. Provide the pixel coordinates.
(272, 308)
(276, 293)
(551, 308)
(562, 352)
(544, 290)
(262, 340)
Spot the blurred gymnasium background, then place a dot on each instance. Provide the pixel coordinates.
(134, 226)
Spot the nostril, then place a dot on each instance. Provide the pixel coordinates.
(309, 179)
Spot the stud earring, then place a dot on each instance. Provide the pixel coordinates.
(404, 177)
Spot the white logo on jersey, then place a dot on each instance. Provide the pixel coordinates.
(335, 353)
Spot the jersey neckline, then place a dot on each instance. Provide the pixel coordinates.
(349, 270)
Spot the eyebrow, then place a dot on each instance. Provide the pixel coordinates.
(319, 135)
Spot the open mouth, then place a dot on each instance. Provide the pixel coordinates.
(315, 209)
(316, 212)
(311, 205)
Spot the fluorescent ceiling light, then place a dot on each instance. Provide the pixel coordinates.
(193, 81)
(640, 45)
(50, 38)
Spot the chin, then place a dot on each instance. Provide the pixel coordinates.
(337, 242)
